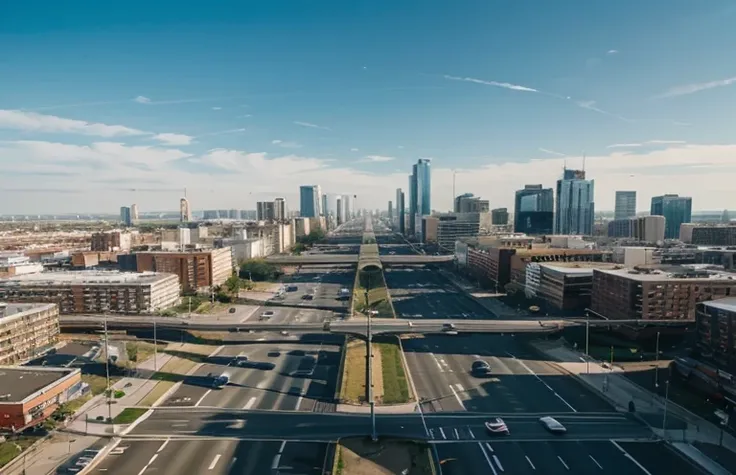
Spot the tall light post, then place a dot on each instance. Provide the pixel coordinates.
(107, 374)
(587, 342)
(155, 346)
(666, 400)
(656, 364)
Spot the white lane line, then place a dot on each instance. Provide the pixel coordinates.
(454, 393)
(459, 387)
(488, 459)
(566, 403)
(530, 462)
(498, 462)
(283, 444)
(443, 433)
(262, 385)
(439, 366)
(232, 462)
(166, 442)
(472, 436)
(217, 350)
(202, 398)
(298, 403)
(214, 462)
(180, 424)
(563, 462)
(250, 403)
(489, 447)
(628, 456)
(431, 433)
(155, 456)
(595, 461)
(540, 380)
(457, 434)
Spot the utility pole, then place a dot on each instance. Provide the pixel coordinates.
(107, 375)
(453, 190)
(155, 346)
(587, 342)
(656, 367)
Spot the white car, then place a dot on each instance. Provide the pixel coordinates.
(497, 427)
(552, 425)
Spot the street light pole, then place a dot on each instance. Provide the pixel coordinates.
(587, 341)
(656, 363)
(666, 399)
(155, 346)
(107, 373)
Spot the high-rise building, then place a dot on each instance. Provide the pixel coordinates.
(279, 209)
(125, 216)
(233, 214)
(412, 199)
(468, 203)
(675, 209)
(390, 210)
(347, 207)
(575, 204)
(134, 213)
(309, 201)
(534, 210)
(266, 210)
(500, 216)
(318, 200)
(424, 187)
(400, 209)
(625, 205)
(325, 208)
(340, 216)
(185, 211)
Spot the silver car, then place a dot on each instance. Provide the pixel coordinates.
(552, 425)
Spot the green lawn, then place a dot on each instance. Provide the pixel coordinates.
(97, 384)
(129, 415)
(395, 384)
(378, 296)
(12, 448)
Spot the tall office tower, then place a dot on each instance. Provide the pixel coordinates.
(500, 216)
(125, 216)
(400, 210)
(412, 199)
(185, 211)
(325, 208)
(424, 187)
(390, 210)
(318, 200)
(726, 216)
(625, 205)
(134, 213)
(534, 210)
(339, 213)
(265, 210)
(309, 205)
(468, 203)
(675, 209)
(233, 214)
(575, 204)
(279, 209)
(347, 207)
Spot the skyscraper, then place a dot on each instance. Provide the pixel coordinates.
(400, 209)
(412, 199)
(500, 216)
(534, 210)
(348, 207)
(134, 213)
(468, 203)
(185, 212)
(265, 211)
(325, 208)
(339, 213)
(424, 187)
(318, 201)
(625, 205)
(279, 209)
(309, 201)
(390, 210)
(125, 216)
(675, 209)
(575, 204)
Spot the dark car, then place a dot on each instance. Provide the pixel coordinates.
(307, 297)
(480, 368)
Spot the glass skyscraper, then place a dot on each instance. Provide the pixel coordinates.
(625, 205)
(675, 209)
(309, 201)
(412, 198)
(424, 187)
(534, 210)
(575, 204)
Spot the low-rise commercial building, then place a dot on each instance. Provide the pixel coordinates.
(657, 294)
(26, 329)
(14, 263)
(564, 285)
(95, 291)
(713, 235)
(197, 269)
(444, 229)
(111, 241)
(648, 229)
(716, 326)
(30, 394)
(523, 257)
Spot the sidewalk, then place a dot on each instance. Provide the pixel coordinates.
(677, 425)
(492, 304)
(405, 408)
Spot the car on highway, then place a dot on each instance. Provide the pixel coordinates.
(480, 368)
(552, 425)
(307, 297)
(266, 315)
(449, 327)
(497, 427)
(232, 310)
(292, 288)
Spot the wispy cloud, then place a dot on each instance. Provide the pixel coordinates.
(244, 116)
(625, 145)
(222, 132)
(693, 88)
(353, 149)
(174, 139)
(552, 152)
(591, 105)
(216, 108)
(142, 100)
(504, 85)
(311, 125)
(400, 147)
(377, 158)
(665, 142)
(648, 142)
(33, 122)
(612, 51)
(286, 144)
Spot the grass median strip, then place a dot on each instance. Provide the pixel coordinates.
(129, 415)
(395, 384)
(353, 381)
(363, 457)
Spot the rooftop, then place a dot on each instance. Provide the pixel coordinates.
(579, 267)
(19, 382)
(546, 251)
(729, 303)
(672, 273)
(14, 310)
(86, 277)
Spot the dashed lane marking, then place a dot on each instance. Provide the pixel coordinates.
(454, 393)
(457, 434)
(202, 398)
(498, 462)
(250, 403)
(530, 462)
(214, 462)
(166, 442)
(628, 456)
(443, 433)
(470, 431)
(563, 462)
(595, 461)
(488, 459)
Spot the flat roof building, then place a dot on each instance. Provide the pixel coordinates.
(716, 326)
(197, 270)
(26, 329)
(30, 394)
(95, 291)
(564, 285)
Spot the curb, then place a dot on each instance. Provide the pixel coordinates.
(412, 388)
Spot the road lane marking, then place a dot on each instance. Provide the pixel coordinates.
(443, 433)
(298, 403)
(563, 462)
(595, 461)
(628, 456)
(163, 445)
(283, 444)
(439, 366)
(472, 436)
(155, 456)
(489, 447)
(566, 403)
(540, 380)
(262, 385)
(530, 462)
(214, 462)
(232, 462)
(202, 398)
(217, 350)
(431, 433)
(498, 462)
(459, 387)
(180, 424)
(454, 393)
(250, 403)
(488, 459)
(457, 434)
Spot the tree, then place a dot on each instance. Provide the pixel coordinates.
(233, 284)
(259, 270)
(298, 248)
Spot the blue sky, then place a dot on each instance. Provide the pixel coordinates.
(242, 101)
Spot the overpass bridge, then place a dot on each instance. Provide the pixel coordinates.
(337, 259)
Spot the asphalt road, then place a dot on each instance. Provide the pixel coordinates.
(322, 282)
(421, 292)
(278, 376)
(214, 457)
(396, 249)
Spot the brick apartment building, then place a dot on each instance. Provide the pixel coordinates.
(197, 270)
(26, 329)
(716, 325)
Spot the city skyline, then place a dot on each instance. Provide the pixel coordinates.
(114, 130)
